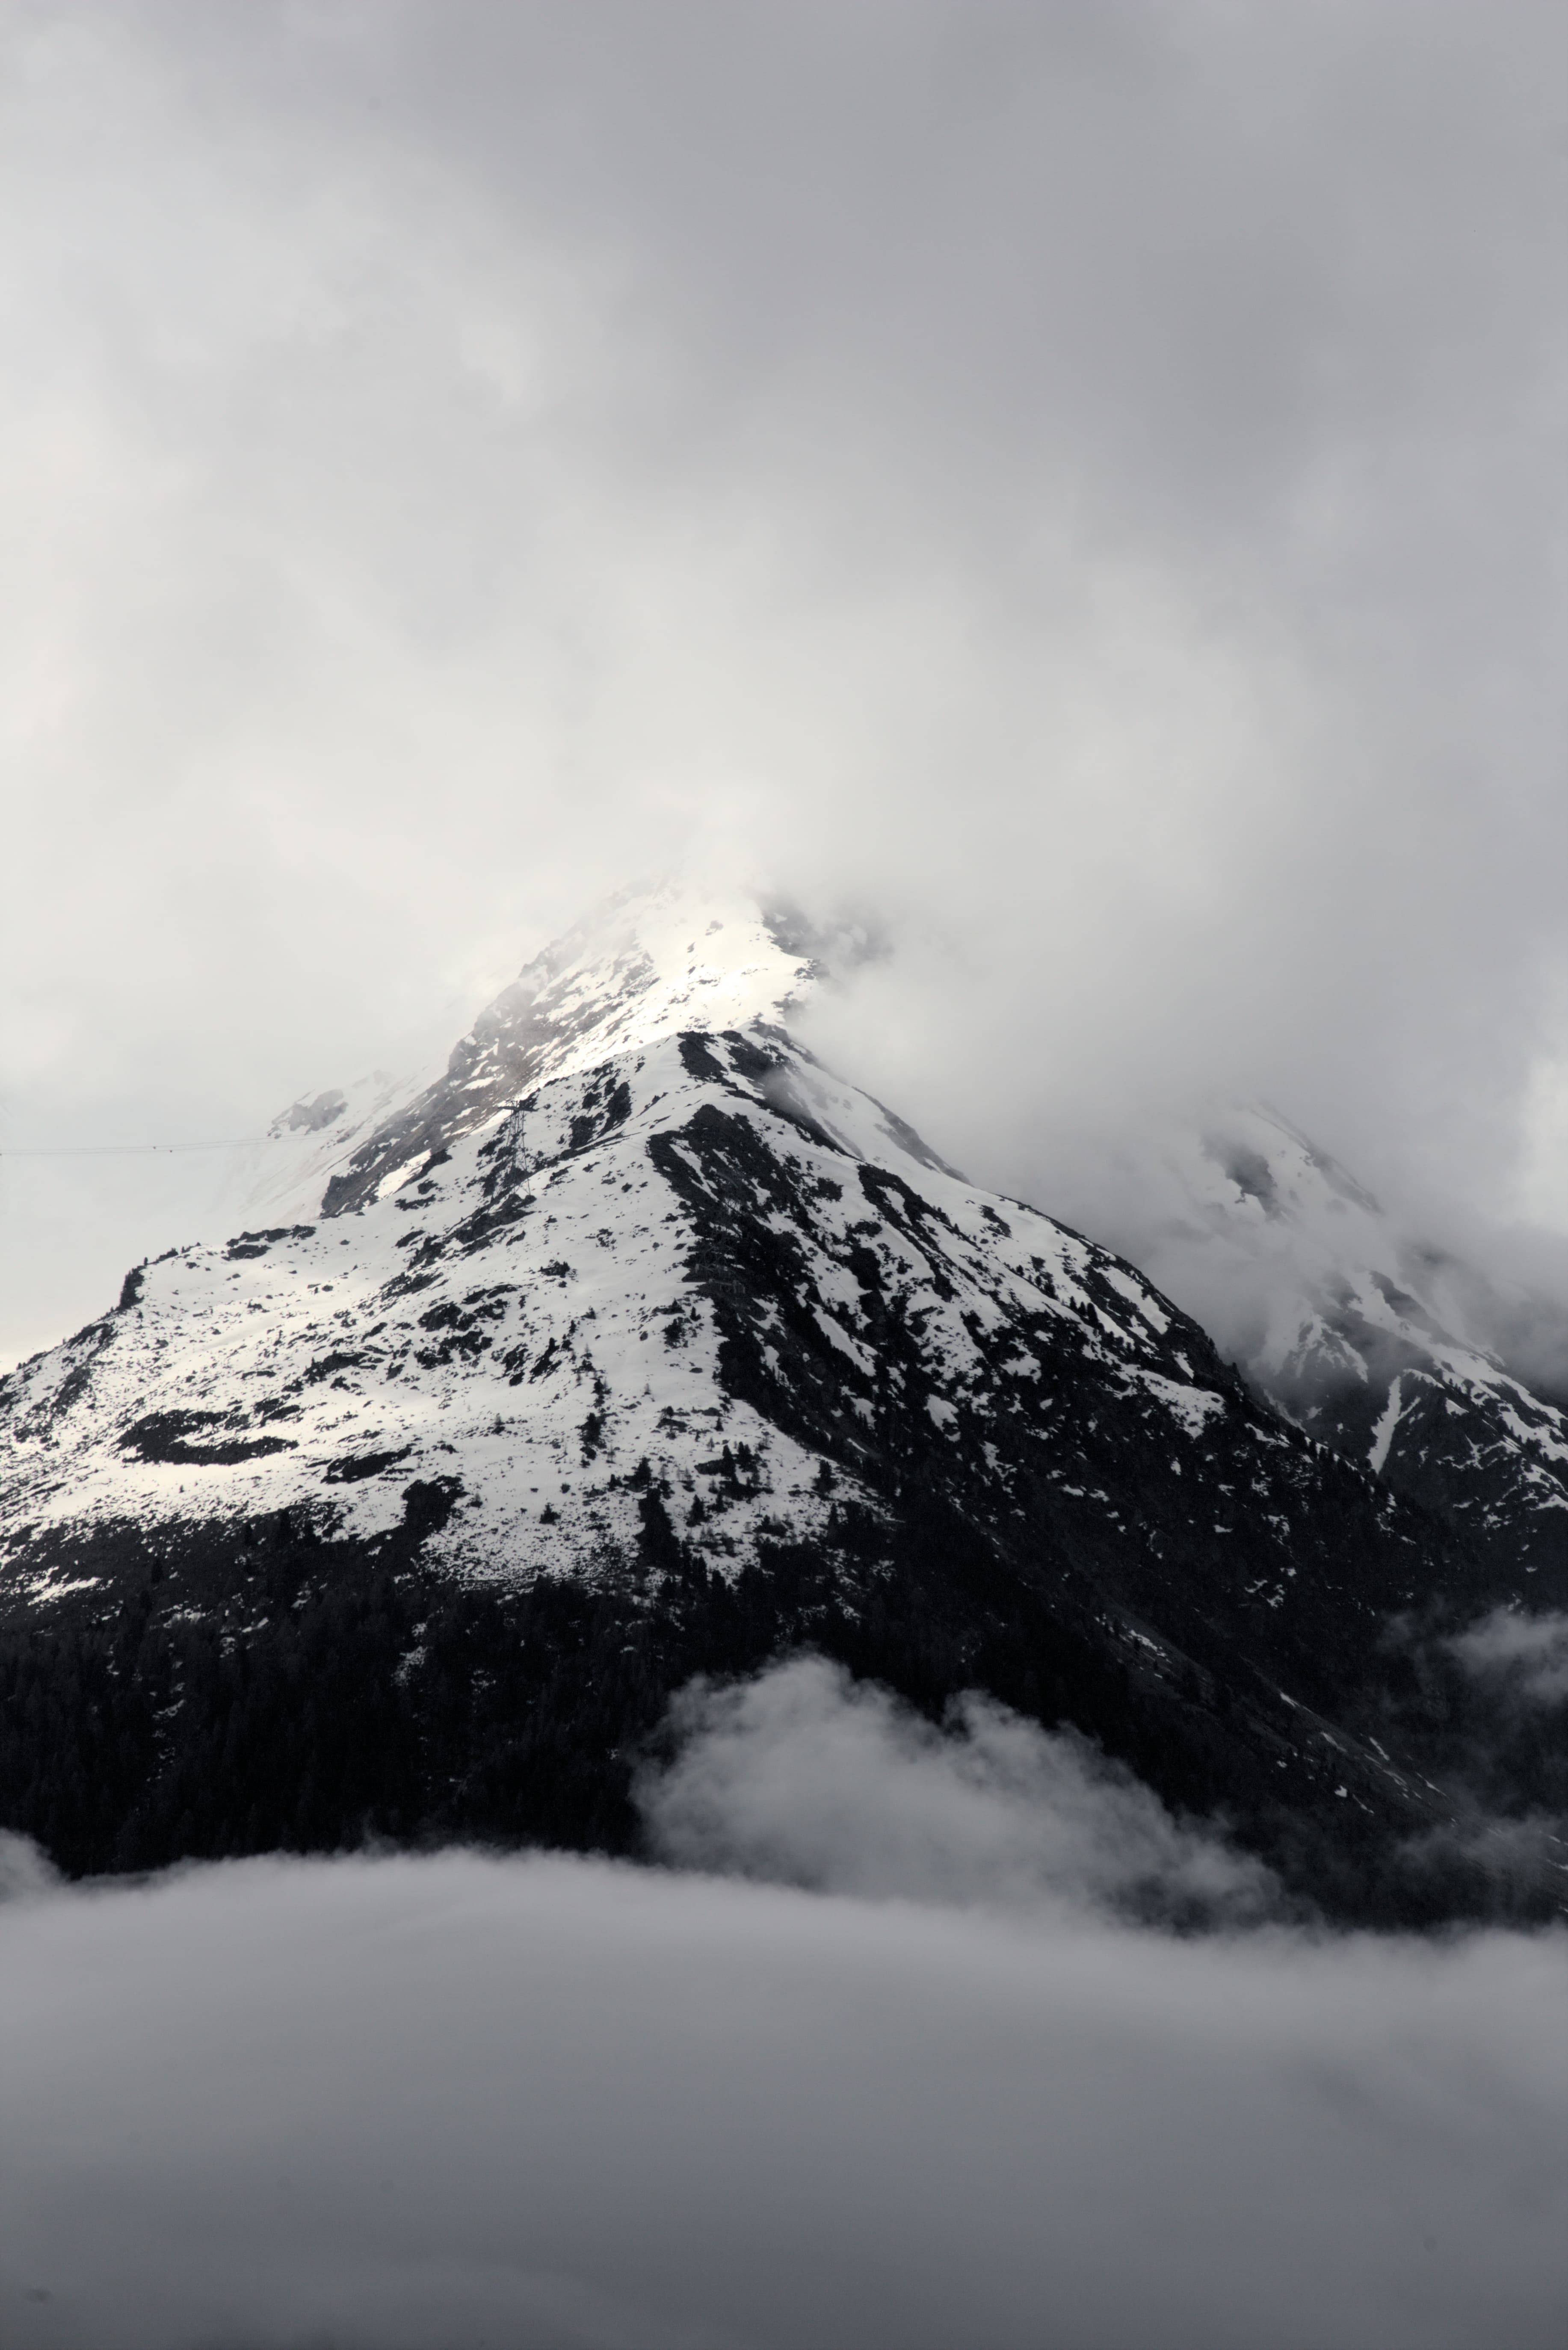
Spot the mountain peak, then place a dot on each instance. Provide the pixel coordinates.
(642, 965)
(645, 964)
(657, 958)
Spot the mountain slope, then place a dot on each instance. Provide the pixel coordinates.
(689, 1353)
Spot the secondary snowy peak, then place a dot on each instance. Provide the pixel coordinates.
(1366, 1335)
(644, 966)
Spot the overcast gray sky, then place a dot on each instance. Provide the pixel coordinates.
(1084, 480)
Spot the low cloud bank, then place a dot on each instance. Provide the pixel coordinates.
(805, 1777)
(400, 2104)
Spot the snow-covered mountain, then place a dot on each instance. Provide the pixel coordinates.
(517, 1304)
(635, 1344)
(1374, 1341)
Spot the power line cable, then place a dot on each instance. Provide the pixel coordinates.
(130, 1149)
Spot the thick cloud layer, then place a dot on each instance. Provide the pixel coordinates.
(398, 2103)
(1086, 480)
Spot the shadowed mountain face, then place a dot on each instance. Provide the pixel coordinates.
(638, 1345)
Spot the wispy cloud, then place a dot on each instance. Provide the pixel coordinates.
(803, 1777)
(1529, 1653)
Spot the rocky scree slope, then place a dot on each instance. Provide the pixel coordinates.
(408, 1519)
